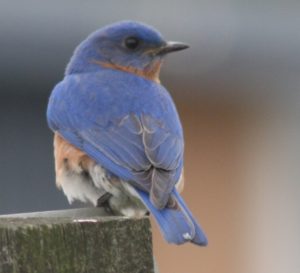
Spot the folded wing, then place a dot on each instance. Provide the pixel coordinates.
(135, 146)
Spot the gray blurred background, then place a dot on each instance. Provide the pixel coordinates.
(237, 91)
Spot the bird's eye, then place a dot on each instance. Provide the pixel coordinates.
(132, 43)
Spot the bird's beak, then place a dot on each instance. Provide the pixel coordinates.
(172, 47)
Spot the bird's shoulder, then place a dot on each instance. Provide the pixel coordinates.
(113, 93)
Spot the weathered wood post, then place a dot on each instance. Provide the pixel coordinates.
(75, 241)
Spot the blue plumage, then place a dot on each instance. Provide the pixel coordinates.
(97, 111)
(177, 226)
(128, 124)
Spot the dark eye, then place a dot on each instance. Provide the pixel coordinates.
(132, 43)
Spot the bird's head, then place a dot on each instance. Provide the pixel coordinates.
(129, 46)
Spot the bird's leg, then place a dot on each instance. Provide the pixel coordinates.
(103, 202)
(103, 199)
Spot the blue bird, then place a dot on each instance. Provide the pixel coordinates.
(118, 140)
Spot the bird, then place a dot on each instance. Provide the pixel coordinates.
(118, 139)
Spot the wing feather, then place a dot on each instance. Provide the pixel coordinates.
(131, 141)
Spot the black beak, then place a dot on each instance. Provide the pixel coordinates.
(172, 47)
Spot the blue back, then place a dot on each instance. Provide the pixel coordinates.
(125, 122)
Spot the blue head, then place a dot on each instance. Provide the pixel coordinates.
(128, 46)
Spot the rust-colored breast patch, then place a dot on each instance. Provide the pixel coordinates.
(68, 158)
(151, 72)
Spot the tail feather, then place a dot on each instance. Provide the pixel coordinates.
(177, 226)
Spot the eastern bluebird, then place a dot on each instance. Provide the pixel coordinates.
(118, 139)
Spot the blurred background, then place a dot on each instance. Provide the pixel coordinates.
(237, 92)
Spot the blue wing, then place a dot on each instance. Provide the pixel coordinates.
(129, 125)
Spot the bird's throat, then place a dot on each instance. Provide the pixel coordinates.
(151, 72)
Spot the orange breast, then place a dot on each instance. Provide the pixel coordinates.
(151, 72)
(68, 158)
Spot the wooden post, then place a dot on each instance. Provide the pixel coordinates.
(75, 241)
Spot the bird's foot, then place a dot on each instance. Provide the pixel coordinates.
(103, 202)
(103, 199)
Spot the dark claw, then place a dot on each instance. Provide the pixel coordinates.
(103, 200)
(108, 209)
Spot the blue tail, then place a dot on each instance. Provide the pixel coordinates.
(177, 226)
